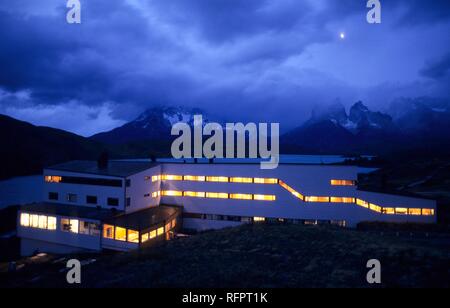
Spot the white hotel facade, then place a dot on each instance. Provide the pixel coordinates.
(134, 203)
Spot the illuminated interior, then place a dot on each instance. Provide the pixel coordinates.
(195, 178)
(241, 196)
(38, 221)
(120, 234)
(343, 183)
(217, 179)
(264, 197)
(241, 180)
(53, 179)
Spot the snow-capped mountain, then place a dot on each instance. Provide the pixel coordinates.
(153, 124)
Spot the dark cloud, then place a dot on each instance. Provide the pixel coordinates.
(437, 69)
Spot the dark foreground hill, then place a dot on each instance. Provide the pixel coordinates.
(263, 256)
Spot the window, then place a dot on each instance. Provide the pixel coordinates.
(25, 219)
(133, 236)
(52, 178)
(113, 202)
(362, 203)
(196, 178)
(94, 229)
(71, 198)
(241, 196)
(53, 196)
(146, 195)
(156, 178)
(259, 219)
(217, 195)
(91, 199)
(291, 190)
(144, 237)
(241, 180)
(198, 194)
(121, 234)
(152, 234)
(428, 212)
(108, 231)
(34, 221)
(414, 212)
(375, 207)
(42, 222)
(84, 227)
(156, 194)
(264, 197)
(51, 223)
(342, 182)
(342, 200)
(171, 177)
(317, 199)
(217, 179)
(69, 225)
(265, 181)
(401, 211)
(388, 210)
(160, 231)
(172, 193)
(128, 201)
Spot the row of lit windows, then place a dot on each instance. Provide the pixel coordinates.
(395, 210)
(220, 179)
(52, 179)
(342, 183)
(216, 195)
(38, 221)
(127, 235)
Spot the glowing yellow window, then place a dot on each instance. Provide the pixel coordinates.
(74, 225)
(362, 203)
(401, 211)
(133, 236)
(264, 197)
(241, 180)
(259, 219)
(160, 231)
(152, 234)
(217, 195)
(342, 200)
(265, 181)
(317, 199)
(415, 212)
(375, 207)
(196, 178)
(156, 194)
(298, 195)
(241, 196)
(53, 179)
(171, 177)
(156, 178)
(172, 193)
(42, 222)
(34, 221)
(108, 231)
(217, 179)
(25, 219)
(198, 194)
(428, 212)
(51, 223)
(144, 237)
(121, 234)
(389, 210)
(342, 183)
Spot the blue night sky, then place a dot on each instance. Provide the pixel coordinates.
(243, 60)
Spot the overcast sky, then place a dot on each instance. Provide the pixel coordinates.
(244, 60)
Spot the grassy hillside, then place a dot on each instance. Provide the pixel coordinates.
(263, 256)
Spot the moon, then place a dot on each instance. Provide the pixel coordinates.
(342, 35)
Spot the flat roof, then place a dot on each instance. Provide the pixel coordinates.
(68, 210)
(144, 219)
(117, 168)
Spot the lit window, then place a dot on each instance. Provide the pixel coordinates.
(415, 212)
(388, 210)
(156, 178)
(42, 222)
(343, 183)
(217, 195)
(84, 227)
(171, 177)
(217, 179)
(51, 223)
(401, 211)
(94, 229)
(160, 231)
(196, 178)
(25, 219)
(362, 203)
(317, 199)
(198, 194)
(241, 196)
(108, 231)
(291, 190)
(428, 212)
(342, 200)
(259, 219)
(74, 225)
(156, 194)
(265, 181)
(264, 197)
(133, 236)
(53, 179)
(375, 207)
(34, 221)
(152, 234)
(241, 180)
(144, 237)
(172, 193)
(121, 234)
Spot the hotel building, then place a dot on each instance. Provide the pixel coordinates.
(129, 204)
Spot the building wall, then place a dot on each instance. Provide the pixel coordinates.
(141, 189)
(29, 247)
(102, 192)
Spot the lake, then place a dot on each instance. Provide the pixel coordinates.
(21, 190)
